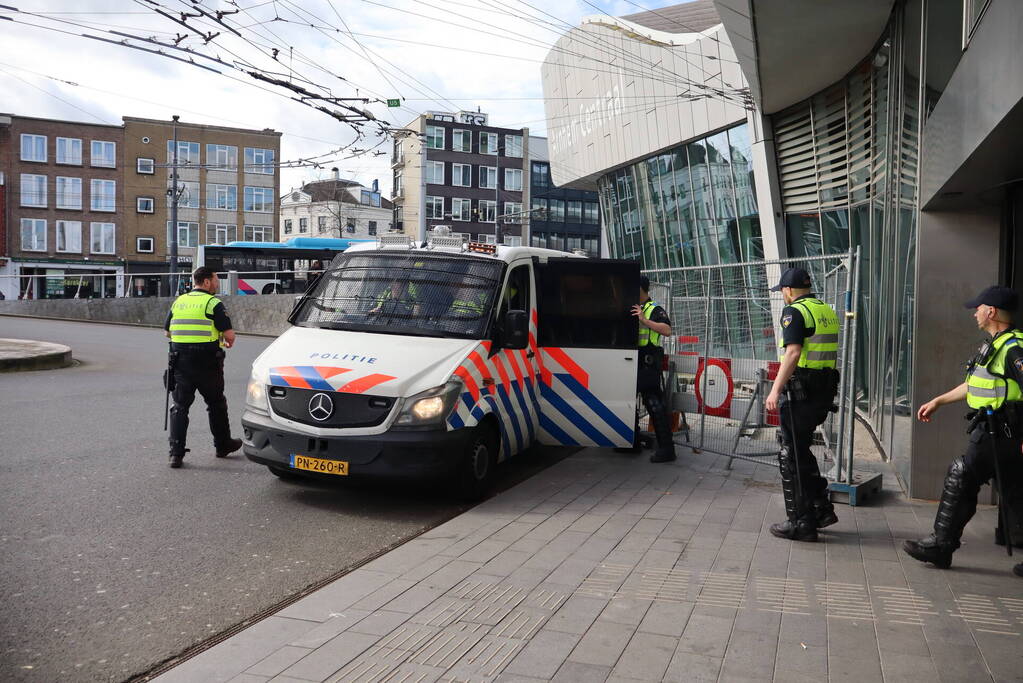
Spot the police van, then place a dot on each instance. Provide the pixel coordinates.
(444, 358)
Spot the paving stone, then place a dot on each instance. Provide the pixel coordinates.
(577, 614)
(646, 657)
(544, 654)
(278, 661)
(855, 668)
(384, 595)
(577, 672)
(380, 623)
(602, 644)
(248, 678)
(338, 596)
(901, 667)
(321, 633)
(686, 667)
(750, 654)
(628, 611)
(331, 657)
(666, 618)
(706, 635)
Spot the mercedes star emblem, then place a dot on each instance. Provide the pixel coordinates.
(320, 407)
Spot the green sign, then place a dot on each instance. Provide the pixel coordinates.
(394, 103)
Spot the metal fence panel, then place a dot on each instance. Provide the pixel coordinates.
(724, 354)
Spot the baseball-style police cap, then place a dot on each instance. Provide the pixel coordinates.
(644, 283)
(999, 297)
(793, 277)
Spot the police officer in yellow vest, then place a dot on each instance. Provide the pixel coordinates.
(653, 324)
(993, 380)
(808, 381)
(197, 325)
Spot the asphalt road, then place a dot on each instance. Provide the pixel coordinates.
(111, 561)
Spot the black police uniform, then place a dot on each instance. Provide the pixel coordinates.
(809, 397)
(200, 367)
(976, 467)
(651, 361)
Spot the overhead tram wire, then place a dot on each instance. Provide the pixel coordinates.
(57, 97)
(362, 47)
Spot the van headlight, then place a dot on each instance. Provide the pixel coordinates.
(428, 409)
(255, 394)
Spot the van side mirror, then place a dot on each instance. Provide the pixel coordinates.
(516, 330)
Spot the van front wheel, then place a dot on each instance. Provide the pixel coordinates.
(479, 461)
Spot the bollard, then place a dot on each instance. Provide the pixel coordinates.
(232, 282)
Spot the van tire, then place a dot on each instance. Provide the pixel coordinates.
(283, 473)
(477, 467)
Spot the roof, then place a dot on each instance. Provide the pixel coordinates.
(334, 190)
(689, 17)
(538, 149)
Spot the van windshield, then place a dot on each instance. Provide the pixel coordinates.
(414, 292)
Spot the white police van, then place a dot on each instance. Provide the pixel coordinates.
(444, 359)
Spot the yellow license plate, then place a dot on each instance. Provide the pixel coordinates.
(304, 462)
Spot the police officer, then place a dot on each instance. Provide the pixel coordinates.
(653, 324)
(808, 382)
(994, 379)
(196, 324)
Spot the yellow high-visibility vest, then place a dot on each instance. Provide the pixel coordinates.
(820, 350)
(191, 318)
(986, 385)
(646, 335)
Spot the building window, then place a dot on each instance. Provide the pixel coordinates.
(303, 225)
(513, 146)
(575, 212)
(538, 209)
(321, 223)
(101, 238)
(222, 156)
(33, 190)
(145, 204)
(461, 140)
(259, 160)
(541, 175)
(188, 195)
(513, 179)
(487, 210)
(69, 193)
(104, 154)
(350, 226)
(435, 137)
(222, 197)
(187, 234)
(102, 194)
(145, 166)
(435, 207)
(397, 189)
(512, 212)
(33, 147)
(488, 143)
(259, 199)
(557, 210)
(144, 245)
(435, 172)
(590, 213)
(372, 227)
(370, 198)
(220, 233)
(258, 233)
(488, 177)
(461, 175)
(33, 234)
(287, 226)
(460, 209)
(188, 153)
(69, 237)
(69, 151)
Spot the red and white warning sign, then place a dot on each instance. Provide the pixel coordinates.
(716, 397)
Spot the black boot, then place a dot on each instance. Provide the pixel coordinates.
(824, 513)
(956, 507)
(1018, 569)
(800, 525)
(177, 454)
(662, 429)
(228, 448)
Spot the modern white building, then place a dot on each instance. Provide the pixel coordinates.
(335, 208)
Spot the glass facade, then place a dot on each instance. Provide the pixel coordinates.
(692, 205)
(561, 218)
(847, 162)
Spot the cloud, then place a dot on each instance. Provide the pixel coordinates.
(435, 54)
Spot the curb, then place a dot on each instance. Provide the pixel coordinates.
(48, 356)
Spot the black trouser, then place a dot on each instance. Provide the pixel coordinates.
(649, 386)
(967, 474)
(798, 421)
(202, 370)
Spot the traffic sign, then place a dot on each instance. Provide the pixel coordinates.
(394, 103)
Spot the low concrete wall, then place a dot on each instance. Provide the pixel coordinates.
(267, 314)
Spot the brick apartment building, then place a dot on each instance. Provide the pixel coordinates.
(83, 204)
(63, 208)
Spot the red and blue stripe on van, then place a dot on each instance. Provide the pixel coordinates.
(325, 378)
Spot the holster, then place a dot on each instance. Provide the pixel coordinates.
(168, 375)
(820, 386)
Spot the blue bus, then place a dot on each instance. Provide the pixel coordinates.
(272, 267)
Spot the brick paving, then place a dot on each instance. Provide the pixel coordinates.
(607, 567)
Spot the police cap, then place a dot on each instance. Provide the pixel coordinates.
(999, 297)
(793, 277)
(644, 283)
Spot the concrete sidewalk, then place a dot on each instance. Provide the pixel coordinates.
(606, 567)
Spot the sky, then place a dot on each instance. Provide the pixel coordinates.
(436, 55)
